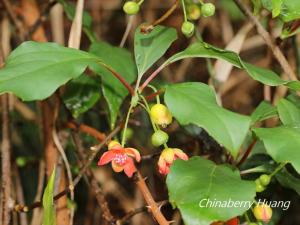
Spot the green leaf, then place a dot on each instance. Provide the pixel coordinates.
(81, 94)
(276, 7)
(34, 70)
(257, 6)
(49, 217)
(122, 62)
(204, 50)
(288, 180)
(264, 111)
(195, 103)
(289, 9)
(87, 21)
(282, 143)
(289, 114)
(201, 179)
(148, 48)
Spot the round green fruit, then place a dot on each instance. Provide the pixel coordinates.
(208, 9)
(265, 179)
(188, 28)
(259, 187)
(159, 138)
(131, 8)
(193, 12)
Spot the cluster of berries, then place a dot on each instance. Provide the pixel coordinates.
(262, 182)
(194, 12)
(122, 159)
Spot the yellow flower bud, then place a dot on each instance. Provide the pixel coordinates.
(262, 212)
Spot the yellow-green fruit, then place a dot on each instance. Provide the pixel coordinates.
(160, 115)
(262, 212)
(159, 138)
(208, 9)
(188, 29)
(259, 187)
(193, 12)
(265, 179)
(131, 8)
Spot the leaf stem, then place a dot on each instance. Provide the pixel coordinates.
(247, 153)
(278, 168)
(119, 77)
(152, 76)
(184, 10)
(125, 125)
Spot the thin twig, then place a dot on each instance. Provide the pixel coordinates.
(269, 40)
(153, 207)
(127, 31)
(100, 197)
(96, 149)
(14, 19)
(6, 165)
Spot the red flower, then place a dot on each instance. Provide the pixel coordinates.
(167, 157)
(120, 158)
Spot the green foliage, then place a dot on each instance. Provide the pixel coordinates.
(263, 111)
(81, 94)
(122, 62)
(288, 180)
(282, 143)
(34, 70)
(288, 10)
(204, 50)
(148, 48)
(289, 114)
(195, 103)
(201, 179)
(49, 217)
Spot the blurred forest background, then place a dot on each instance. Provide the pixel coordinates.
(41, 20)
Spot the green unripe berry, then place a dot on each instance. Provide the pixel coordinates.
(208, 9)
(259, 187)
(265, 179)
(188, 28)
(131, 8)
(21, 161)
(193, 12)
(128, 134)
(159, 138)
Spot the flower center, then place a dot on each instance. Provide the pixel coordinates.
(120, 159)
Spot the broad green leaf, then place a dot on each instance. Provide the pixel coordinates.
(287, 180)
(200, 180)
(122, 62)
(282, 143)
(87, 20)
(81, 94)
(204, 50)
(289, 114)
(195, 103)
(148, 48)
(264, 111)
(34, 70)
(49, 217)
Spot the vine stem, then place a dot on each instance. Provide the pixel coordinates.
(278, 168)
(155, 210)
